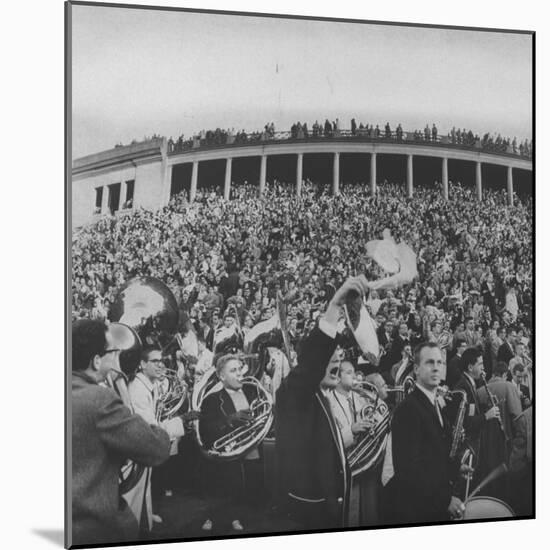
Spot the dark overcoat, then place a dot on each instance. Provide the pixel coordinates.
(314, 476)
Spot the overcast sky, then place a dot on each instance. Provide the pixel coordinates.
(139, 72)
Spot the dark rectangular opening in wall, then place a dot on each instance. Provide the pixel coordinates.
(114, 197)
(129, 193)
(98, 198)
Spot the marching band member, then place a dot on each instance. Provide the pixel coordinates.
(475, 419)
(346, 406)
(314, 474)
(421, 488)
(143, 390)
(104, 434)
(237, 481)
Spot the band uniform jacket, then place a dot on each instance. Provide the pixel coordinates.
(223, 478)
(421, 488)
(314, 476)
(104, 435)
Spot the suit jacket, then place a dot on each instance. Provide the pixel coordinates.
(474, 418)
(222, 478)
(505, 353)
(215, 412)
(104, 435)
(312, 467)
(421, 488)
(508, 402)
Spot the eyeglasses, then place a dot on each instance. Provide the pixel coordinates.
(113, 350)
(155, 361)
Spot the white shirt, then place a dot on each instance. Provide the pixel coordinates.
(144, 396)
(431, 395)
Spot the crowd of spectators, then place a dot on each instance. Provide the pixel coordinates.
(474, 258)
(328, 129)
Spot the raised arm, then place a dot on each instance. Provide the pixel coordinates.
(129, 434)
(318, 347)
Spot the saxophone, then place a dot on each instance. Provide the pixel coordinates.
(458, 435)
(458, 426)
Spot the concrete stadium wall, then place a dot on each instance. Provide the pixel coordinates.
(148, 188)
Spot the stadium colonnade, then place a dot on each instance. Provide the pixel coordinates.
(146, 174)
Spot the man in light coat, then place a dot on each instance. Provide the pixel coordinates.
(104, 434)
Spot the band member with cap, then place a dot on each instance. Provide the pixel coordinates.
(143, 390)
(421, 489)
(105, 433)
(314, 476)
(237, 482)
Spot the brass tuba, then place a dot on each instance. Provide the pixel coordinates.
(144, 311)
(149, 307)
(240, 441)
(370, 447)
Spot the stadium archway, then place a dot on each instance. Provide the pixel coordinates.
(211, 176)
(246, 169)
(181, 178)
(318, 168)
(281, 168)
(355, 169)
(392, 168)
(427, 172)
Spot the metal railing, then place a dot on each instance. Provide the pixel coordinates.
(223, 139)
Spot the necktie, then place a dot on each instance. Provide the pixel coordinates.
(438, 412)
(351, 408)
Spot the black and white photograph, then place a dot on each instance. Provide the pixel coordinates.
(301, 274)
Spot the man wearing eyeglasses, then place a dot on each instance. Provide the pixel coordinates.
(143, 390)
(105, 433)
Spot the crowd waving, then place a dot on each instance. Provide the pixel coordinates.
(234, 259)
(474, 258)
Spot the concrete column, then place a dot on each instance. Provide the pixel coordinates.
(336, 174)
(122, 199)
(445, 178)
(105, 200)
(373, 174)
(299, 170)
(194, 179)
(479, 182)
(510, 187)
(227, 186)
(263, 171)
(166, 184)
(410, 183)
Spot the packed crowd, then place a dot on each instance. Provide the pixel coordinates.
(474, 258)
(301, 130)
